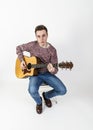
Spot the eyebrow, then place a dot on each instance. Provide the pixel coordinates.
(41, 35)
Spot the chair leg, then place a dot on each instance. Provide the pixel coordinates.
(55, 100)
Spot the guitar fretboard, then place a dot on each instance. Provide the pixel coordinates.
(39, 65)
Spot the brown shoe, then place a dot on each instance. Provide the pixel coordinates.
(47, 101)
(39, 108)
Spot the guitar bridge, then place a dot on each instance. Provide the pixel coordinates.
(26, 71)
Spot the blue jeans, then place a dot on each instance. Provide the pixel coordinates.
(52, 80)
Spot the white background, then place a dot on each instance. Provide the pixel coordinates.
(70, 26)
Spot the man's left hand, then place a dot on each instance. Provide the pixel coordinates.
(50, 68)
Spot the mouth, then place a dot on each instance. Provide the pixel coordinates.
(42, 43)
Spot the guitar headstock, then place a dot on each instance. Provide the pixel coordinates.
(67, 65)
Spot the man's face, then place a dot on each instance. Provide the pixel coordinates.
(41, 37)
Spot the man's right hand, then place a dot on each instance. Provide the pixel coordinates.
(23, 65)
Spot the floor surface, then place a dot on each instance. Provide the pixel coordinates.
(69, 112)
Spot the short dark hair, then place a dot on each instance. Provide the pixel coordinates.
(41, 27)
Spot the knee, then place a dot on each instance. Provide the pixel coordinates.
(63, 91)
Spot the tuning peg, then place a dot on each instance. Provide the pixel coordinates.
(70, 65)
(67, 64)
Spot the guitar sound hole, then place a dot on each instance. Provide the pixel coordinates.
(29, 66)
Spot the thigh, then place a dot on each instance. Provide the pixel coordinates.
(53, 81)
(34, 82)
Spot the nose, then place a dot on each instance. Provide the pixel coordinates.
(42, 39)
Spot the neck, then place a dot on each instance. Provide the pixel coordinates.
(44, 45)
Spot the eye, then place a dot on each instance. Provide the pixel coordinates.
(38, 36)
(43, 35)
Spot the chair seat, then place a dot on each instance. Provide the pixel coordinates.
(44, 84)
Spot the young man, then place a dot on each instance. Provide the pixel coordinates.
(48, 55)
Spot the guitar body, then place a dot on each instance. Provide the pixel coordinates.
(27, 72)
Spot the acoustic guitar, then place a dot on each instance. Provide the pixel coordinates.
(33, 64)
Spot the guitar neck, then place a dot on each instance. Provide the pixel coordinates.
(37, 66)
